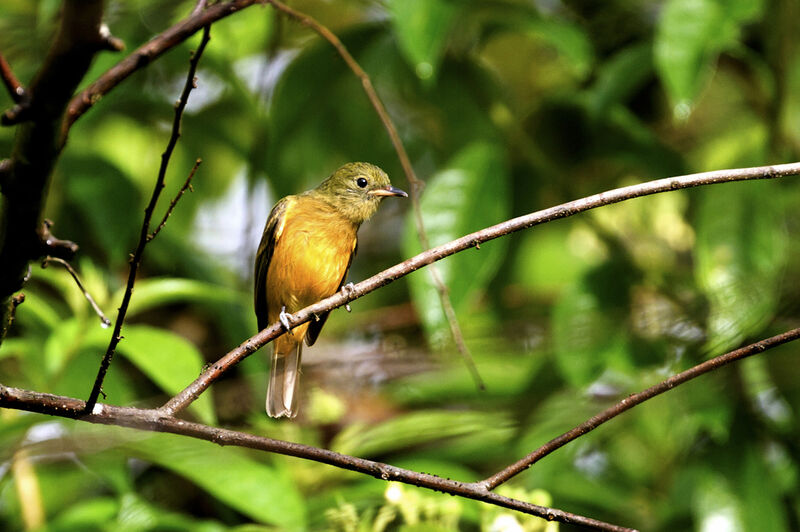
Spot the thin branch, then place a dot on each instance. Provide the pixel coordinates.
(15, 301)
(14, 87)
(186, 185)
(148, 214)
(155, 420)
(148, 52)
(249, 346)
(53, 246)
(416, 185)
(103, 319)
(635, 399)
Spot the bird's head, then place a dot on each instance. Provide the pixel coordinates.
(356, 190)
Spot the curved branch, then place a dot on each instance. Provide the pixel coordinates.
(146, 53)
(635, 399)
(155, 420)
(249, 346)
(75, 277)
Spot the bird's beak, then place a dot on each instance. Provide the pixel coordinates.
(388, 190)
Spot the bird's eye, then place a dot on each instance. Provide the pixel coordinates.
(362, 182)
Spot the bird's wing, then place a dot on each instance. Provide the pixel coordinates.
(315, 325)
(272, 232)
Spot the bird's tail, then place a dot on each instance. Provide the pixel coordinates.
(284, 376)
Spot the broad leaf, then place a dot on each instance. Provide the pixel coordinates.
(229, 474)
(421, 28)
(151, 293)
(690, 35)
(470, 193)
(740, 253)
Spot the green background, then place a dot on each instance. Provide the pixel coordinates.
(505, 107)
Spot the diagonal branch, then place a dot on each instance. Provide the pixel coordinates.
(249, 346)
(14, 87)
(144, 235)
(148, 52)
(75, 277)
(155, 420)
(416, 184)
(187, 185)
(635, 399)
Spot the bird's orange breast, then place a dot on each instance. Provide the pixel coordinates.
(312, 252)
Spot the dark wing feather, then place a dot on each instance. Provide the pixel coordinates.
(263, 258)
(315, 326)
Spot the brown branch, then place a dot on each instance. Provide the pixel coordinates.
(55, 247)
(635, 399)
(199, 7)
(144, 235)
(15, 301)
(38, 141)
(145, 54)
(186, 185)
(416, 185)
(155, 420)
(249, 346)
(14, 87)
(103, 320)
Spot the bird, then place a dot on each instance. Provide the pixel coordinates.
(308, 244)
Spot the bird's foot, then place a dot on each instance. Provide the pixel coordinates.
(347, 290)
(284, 318)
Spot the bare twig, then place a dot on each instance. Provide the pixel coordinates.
(416, 184)
(15, 301)
(55, 247)
(635, 399)
(249, 346)
(103, 319)
(187, 185)
(15, 88)
(148, 214)
(145, 54)
(155, 420)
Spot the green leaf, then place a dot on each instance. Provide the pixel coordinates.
(229, 474)
(620, 77)
(151, 293)
(686, 43)
(569, 39)
(167, 359)
(761, 497)
(421, 28)
(61, 345)
(104, 207)
(91, 514)
(715, 504)
(740, 254)
(39, 310)
(689, 36)
(469, 194)
(415, 429)
(587, 336)
(505, 374)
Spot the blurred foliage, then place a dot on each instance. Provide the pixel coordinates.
(505, 107)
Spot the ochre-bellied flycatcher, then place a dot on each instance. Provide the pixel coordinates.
(308, 244)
